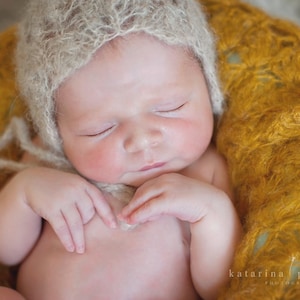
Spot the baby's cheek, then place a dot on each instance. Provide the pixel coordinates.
(101, 167)
(189, 141)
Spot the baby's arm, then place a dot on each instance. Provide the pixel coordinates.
(66, 201)
(213, 243)
(215, 238)
(206, 205)
(19, 225)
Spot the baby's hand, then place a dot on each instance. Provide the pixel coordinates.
(67, 201)
(170, 194)
(209, 211)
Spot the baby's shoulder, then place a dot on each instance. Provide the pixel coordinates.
(209, 167)
(212, 160)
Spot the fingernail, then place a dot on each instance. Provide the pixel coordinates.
(80, 249)
(70, 248)
(126, 227)
(113, 224)
(120, 217)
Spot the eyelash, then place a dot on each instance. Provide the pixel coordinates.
(101, 133)
(173, 109)
(108, 130)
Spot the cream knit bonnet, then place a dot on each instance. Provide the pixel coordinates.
(57, 37)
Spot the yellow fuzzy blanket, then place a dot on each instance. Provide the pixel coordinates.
(259, 135)
(259, 60)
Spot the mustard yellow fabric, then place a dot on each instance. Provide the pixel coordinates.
(10, 102)
(259, 61)
(259, 135)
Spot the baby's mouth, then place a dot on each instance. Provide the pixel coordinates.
(152, 166)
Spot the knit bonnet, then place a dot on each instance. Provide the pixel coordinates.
(57, 37)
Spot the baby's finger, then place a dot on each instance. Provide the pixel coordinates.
(102, 207)
(74, 222)
(159, 206)
(143, 194)
(145, 213)
(86, 208)
(61, 229)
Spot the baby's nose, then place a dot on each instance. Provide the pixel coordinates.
(140, 139)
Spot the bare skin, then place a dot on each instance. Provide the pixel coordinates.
(161, 247)
(9, 294)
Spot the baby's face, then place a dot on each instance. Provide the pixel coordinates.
(137, 110)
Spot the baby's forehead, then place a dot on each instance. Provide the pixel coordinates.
(125, 52)
(119, 43)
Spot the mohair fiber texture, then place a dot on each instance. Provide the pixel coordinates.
(11, 105)
(57, 37)
(259, 134)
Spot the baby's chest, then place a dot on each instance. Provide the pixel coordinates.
(147, 251)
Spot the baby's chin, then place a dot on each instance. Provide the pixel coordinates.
(138, 178)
